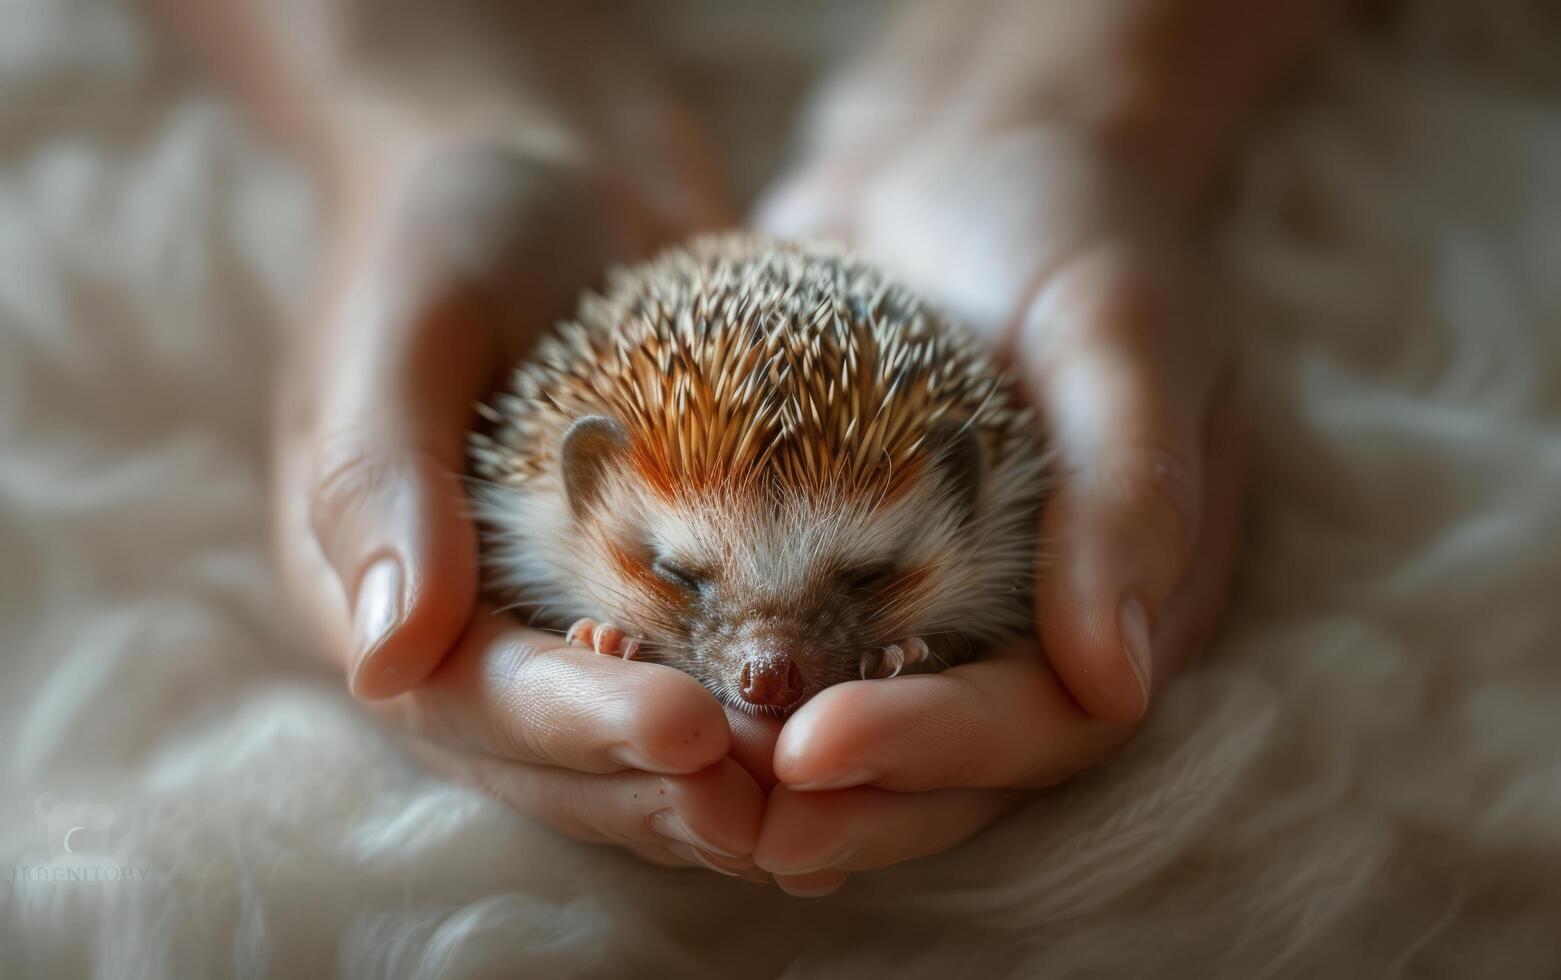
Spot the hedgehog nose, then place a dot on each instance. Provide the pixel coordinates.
(772, 681)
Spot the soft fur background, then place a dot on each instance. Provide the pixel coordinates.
(1364, 778)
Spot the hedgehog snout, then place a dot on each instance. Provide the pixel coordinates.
(770, 680)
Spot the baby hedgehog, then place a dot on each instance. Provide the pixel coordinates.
(768, 465)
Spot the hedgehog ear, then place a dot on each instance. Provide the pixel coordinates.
(955, 449)
(591, 445)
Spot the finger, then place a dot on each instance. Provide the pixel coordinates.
(710, 817)
(1125, 384)
(522, 695)
(666, 853)
(863, 828)
(449, 271)
(374, 532)
(694, 857)
(673, 855)
(658, 855)
(998, 723)
(815, 885)
(753, 744)
(1193, 613)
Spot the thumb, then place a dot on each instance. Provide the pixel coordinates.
(451, 267)
(385, 543)
(1127, 414)
(389, 522)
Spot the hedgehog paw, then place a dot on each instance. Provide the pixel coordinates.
(613, 641)
(894, 658)
(603, 638)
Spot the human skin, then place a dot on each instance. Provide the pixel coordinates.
(1038, 168)
(1034, 165)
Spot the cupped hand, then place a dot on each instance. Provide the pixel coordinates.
(447, 258)
(1072, 261)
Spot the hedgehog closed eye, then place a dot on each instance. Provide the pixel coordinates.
(868, 579)
(678, 574)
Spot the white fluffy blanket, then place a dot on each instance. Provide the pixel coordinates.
(1363, 779)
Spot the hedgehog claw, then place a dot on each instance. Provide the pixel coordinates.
(604, 638)
(579, 634)
(607, 638)
(893, 659)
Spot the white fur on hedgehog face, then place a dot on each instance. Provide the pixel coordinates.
(710, 583)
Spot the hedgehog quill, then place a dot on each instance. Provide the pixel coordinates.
(766, 464)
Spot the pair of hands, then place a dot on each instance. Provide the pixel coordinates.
(452, 256)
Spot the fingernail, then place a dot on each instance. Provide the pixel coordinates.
(855, 777)
(824, 865)
(1134, 627)
(732, 869)
(632, 758)
(670, 825)
(376, 608)
(826, 885)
